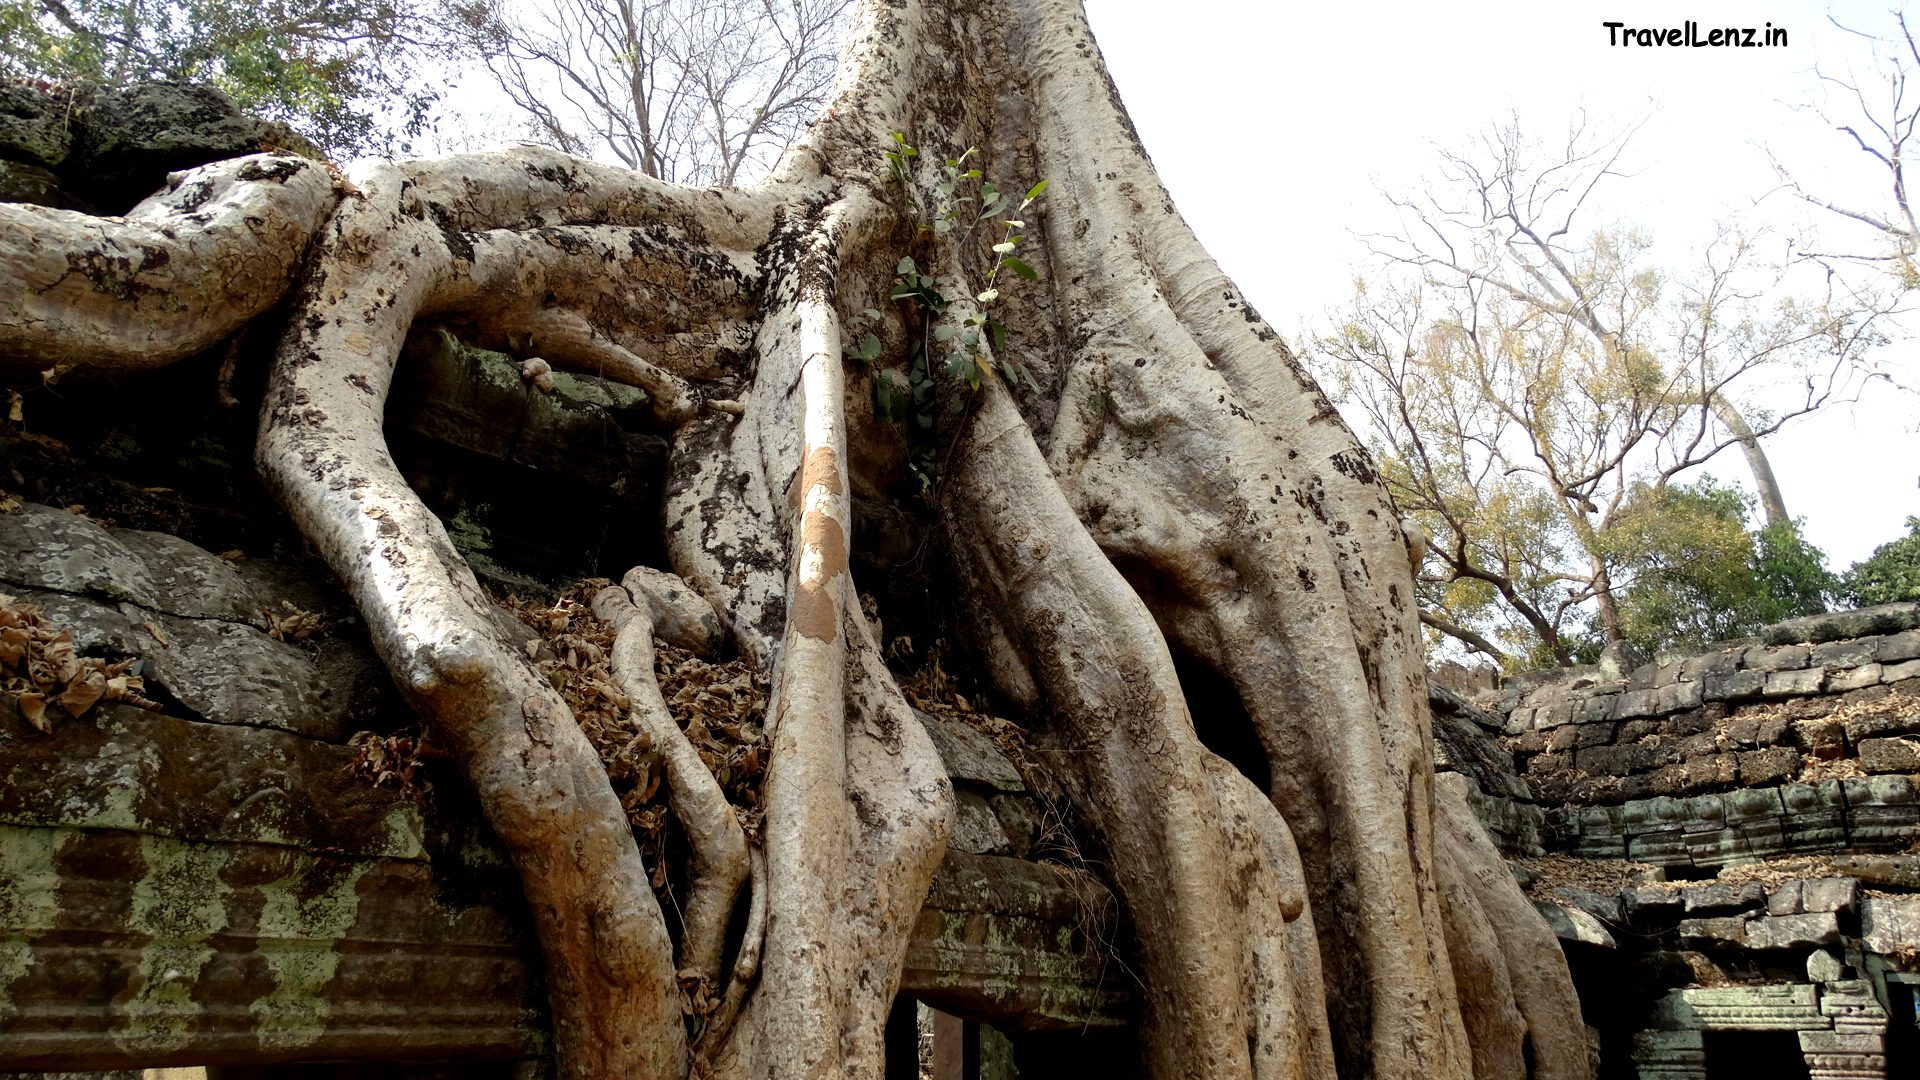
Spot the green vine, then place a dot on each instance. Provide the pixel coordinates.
(968, 201)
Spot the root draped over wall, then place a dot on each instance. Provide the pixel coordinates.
(1332, 916)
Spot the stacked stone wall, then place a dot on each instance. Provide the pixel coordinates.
(1803, 741)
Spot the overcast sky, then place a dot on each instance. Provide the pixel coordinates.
(1277, 127)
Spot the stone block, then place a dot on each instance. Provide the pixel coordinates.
(1889, 755)
(1549, 764)
(1717, 662)
(1778, 658)
(1844, 1055)
(969, 755)
(1675, 697)
(1740, 684)
(1844, 653)
(1872, 723)
(1794, 683)
(1632, 731)
(1774, 729)
(1669, 1055)
(1771, 766)
(1595, 710)
(1743, 730)
(1652, 904)
(1895, 647)
(1890, 924)
(1893, 673)
(1748, 805)
(1598, 847)
(1604, 761)
(1882, 871)
(1733, 847)
(1880, 791)
(1696, 721)
(1724, 898)
(1608, 909)
(1562, 739)
(1780, 1007)
(1660, 848)
(1808, 930)
(1855, 678)
(1637, 703)
(1784, 898)
(1706, 813)
(1836, 625)
(1815, 816)
(1852, 1006)
(1829, 894)
(976, 829)
(1527, 742)
(1823, 966)
(1714, 933)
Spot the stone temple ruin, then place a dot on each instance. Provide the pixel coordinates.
(1725, 843)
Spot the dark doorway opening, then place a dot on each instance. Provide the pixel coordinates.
(1754, 1055)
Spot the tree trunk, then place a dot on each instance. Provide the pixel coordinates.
(1166, 481)
(1764, 485)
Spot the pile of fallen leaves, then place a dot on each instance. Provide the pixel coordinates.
(292, 624)
(933, 690)
(393, 759)
(1608, 877)
(721, 707)
(47, 677)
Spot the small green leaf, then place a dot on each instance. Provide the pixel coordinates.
(997, 335)
(1020, 268)
(870, 314)
(905, 267)
(869, 348)
(942, 332)
(989, 296)
(1034, 191)
(1005, 246)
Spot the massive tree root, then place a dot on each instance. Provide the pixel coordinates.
(1166, 497)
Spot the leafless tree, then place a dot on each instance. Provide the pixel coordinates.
(1530, 373)
(1877, 111)
(691, 91)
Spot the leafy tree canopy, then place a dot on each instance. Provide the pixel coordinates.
(342, 72)
(1891, 574)
(1695, 574)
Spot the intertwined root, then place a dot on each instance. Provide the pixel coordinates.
(178, 274)
(720, 864)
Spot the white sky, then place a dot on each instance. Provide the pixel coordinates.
(1276, 128)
